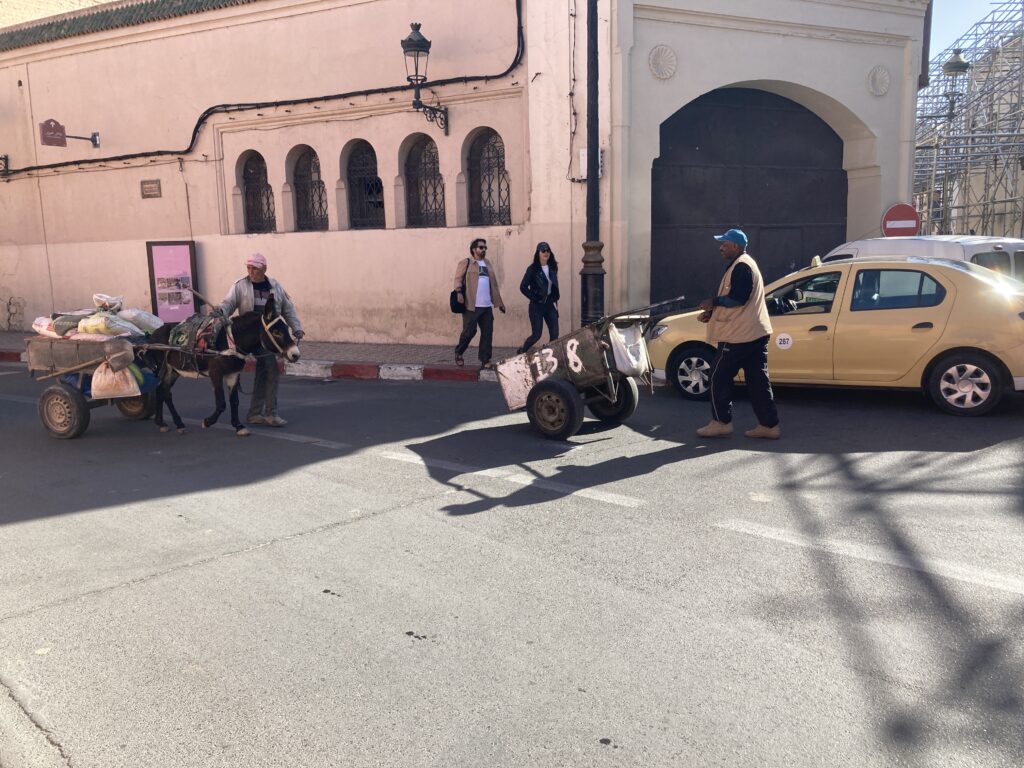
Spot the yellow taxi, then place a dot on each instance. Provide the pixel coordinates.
(950, 328)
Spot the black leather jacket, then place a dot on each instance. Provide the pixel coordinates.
(535, 287)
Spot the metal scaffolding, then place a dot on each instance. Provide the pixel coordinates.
(969, 158)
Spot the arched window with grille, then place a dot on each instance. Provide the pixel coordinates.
(257, 195)
(310, 193)
(424, 190)
(365, 190)
(489, 199)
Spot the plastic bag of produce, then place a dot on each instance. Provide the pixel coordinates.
(66, 324)
(109, 383)
(141, 319)
(109, 303)
(44, 327)
(104, 322)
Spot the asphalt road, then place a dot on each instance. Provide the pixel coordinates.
(410, 576)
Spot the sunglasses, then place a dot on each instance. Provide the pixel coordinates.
(481, 247)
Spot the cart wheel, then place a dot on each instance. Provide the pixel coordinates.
(137, 408)
(555, 408)
(623, 407)
(63, 411)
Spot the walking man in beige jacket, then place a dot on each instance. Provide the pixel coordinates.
(478, 287)
(738, 324)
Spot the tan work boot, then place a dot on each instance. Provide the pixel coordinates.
(256, 418)
(767, 433)
(715, 429)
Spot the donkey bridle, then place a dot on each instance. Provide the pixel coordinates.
(267, 326)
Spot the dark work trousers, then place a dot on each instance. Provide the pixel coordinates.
(541, 313)
(751, 357)
(264, 386)
(484, 318)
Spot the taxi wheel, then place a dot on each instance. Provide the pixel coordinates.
(689, 371)
(555, 408)
(966, 384)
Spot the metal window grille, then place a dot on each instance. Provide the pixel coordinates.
(310, 194)
(365, 190)
(424, 186)
(258, 196)
(489, 199)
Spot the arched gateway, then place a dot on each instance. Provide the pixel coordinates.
(746, 158)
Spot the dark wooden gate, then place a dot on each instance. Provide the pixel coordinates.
(738, 157)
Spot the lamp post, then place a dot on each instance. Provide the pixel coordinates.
(592, 273)
(417, 50)
(955, 66)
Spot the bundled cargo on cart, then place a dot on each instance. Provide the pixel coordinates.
(106, 319)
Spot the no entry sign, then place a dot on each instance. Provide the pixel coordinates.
(900, 219)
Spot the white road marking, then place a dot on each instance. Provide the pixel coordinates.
(9, 373)
(872, 554)
(516, 478)
(276, 434)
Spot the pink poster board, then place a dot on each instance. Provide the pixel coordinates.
(172, 277)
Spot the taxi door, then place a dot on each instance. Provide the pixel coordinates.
(803, 316)
(892, 318)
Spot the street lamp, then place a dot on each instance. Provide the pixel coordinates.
(955, 66)
(417, 50)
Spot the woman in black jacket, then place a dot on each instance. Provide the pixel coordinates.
(540, 286)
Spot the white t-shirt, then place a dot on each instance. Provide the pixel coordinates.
(547, 276)
(483, 287)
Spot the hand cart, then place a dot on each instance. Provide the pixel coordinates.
(597, 366)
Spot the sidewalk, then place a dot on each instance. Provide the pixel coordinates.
(345, 360)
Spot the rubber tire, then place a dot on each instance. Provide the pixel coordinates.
(555, 409)
(137, 408)
(63, 411)
(986, 365)
(695, 351)
(624, 406)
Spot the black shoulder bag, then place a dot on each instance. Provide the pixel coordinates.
(459, 307)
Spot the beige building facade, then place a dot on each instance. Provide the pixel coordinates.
(368, 205)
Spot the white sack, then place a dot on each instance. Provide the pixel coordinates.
(630, 350)
(109, 383)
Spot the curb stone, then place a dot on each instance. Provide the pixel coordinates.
(327, 369)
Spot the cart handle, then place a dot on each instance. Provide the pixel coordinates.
(647, 308)
(79, 367)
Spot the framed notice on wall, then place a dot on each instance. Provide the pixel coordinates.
(172, 276)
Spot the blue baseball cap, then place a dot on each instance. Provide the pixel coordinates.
(737, 236)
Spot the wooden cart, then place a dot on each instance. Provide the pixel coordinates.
(64, 408)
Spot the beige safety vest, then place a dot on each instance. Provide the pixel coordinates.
(740, 324)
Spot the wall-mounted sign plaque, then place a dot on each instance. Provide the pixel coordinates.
(52, 134)
(150, 188)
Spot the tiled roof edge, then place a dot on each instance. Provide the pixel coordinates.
(102, 19)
